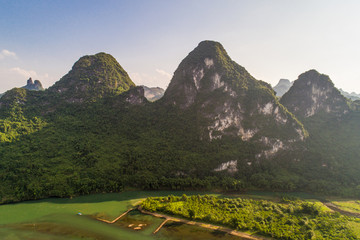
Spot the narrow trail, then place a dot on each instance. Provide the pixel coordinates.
(161, 225)
(199, 224)
(113, 221)
(337, 209)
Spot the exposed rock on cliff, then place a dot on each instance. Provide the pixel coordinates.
(36, 85)
(313, 93)
(233, 102)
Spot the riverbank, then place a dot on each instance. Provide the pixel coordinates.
(200, 224)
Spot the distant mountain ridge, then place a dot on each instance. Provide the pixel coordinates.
(353, 96)
(282, 87)
(153, 93)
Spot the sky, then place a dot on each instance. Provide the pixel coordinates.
(272, 39)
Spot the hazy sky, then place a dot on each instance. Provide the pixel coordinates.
(272, 39)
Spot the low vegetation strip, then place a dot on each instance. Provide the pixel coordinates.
(339, 208)
(199, 224)
(352, 206)
(287, 220)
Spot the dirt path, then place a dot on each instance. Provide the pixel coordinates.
(199, 224)
(123, 214)
(337, 209)
(161, 225)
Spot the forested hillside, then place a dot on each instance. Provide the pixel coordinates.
(216, 127)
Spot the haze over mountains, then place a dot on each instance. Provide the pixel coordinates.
(215, 127)
(154, 93)
(284, 85)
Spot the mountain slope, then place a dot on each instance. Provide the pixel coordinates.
(93, 77)
(232, 101)
(215, 128)
(313, 93)
(333, 122)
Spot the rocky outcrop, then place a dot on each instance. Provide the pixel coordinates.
(232, 101)
(33, 85)
(282, 87)
(134, 96)
(314, 93)
(230, 167)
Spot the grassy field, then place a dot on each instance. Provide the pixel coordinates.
(278, 197)
(352, 206)
(355, 225)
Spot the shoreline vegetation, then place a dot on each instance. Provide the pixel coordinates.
(254, 215)
(292, 219)
(200, 224)
(185, 221)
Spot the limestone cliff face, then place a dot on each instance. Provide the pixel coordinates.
(134, 96)
(313, 93)
(233, 102)
(189, 78)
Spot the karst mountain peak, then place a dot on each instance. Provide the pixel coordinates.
(93, 77)
(314, 93)
(234, 103)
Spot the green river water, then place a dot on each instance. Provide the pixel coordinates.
(57, 218)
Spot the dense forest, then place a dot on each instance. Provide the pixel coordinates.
(94, 131)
